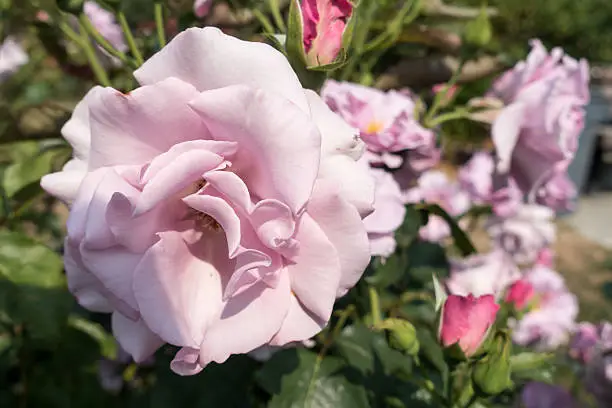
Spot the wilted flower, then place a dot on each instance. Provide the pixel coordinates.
(524, 234)
(537, 132)
(104, 21)
(542, 395)
(388, 215)
(217, 208)
(489, 274)
(386, 122)
(202, 7)
(324, 25)
(552, 311)
(479, 179)
(466, 321)
(435, 187)
(12, 56)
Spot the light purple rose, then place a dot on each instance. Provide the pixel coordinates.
(104, 21)
(386, 121)
(552, 312)
(537, 132)
(12, 56)
(388, 215)
(542, 395)
(485, 187)
(489, 274)
(218, 207)
(524, 234)
(435, 187)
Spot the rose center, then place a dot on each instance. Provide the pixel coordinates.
(375, 126)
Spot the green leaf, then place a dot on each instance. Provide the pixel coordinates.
(439, 293)
(389, 271)
(462, 241)
(27, 170)
(298, 378)
(409, 230)
(431, 350)
(108, 344)
(528, 361)
(32, 286)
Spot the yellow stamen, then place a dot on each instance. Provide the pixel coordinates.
(375, 126)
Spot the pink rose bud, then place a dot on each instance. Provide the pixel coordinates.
(520, 294)
(324, 22)
(466, 320)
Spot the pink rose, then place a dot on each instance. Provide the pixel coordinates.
(386, 121)
(558, 192)
(489, 274)
(388, 215)
(520, 294)
(104, 21)
(552, 312)
(202, 7)
(584, 340)
(466, 320)
(485, 187)
(217, 208)
(12, 56)
(435, 187)
(524, 234)
(324, 24)
(538, 130)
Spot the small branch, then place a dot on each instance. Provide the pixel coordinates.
(159, 23)
(439, 9)
(102, 42)
(130, 38)
(97, 68)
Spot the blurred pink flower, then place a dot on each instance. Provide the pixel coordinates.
(202, 7)
(558, 192)
(217, 208)
(520, 293)
(466, 321)
(489, 274)
(584, 340)
(537, 132)
(386, 122)
(552, 313)
(104, 21)
(546, 257)
(542, 395)
(324, 24)
(12, 56)
(479, 179)
(388, 215)
(524, 234)
(435, 187)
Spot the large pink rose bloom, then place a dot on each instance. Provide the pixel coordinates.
(386, 121)
(388, 215)
(552, 313)
(217, 208)
(435, 187)
(536, 134)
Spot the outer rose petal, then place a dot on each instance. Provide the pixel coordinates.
(209, 59)
(178, 294)
(506, 131)
(186, 362)
(134, 128)
(343, 227)
(299, 325)
(279, 144)
(135, 337)
(315, 272)
(242, 315)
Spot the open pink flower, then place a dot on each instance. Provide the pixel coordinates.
(388, 215)
(324, 24)
(553, 310)
(217, 208)
(435, 187)
(520, 294)
(537, 132)
(12, 56)
(104, 21)
(386, 122)
(524, 234)
(488, 274)
(466, 320)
